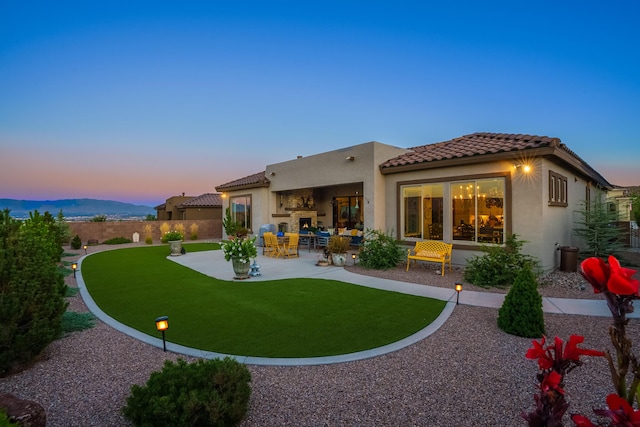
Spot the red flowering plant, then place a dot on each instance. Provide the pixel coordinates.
(554, 362)
(620, 289)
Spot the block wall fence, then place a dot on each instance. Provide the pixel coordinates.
(208, 229)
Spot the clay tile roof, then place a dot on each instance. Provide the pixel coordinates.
(256, 180)
(207, 200)
(475, 144)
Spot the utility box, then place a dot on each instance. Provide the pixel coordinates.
(569, 258)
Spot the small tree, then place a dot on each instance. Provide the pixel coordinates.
(231, 226)
(32, 290)
(76, 242)
(521, 313)
(597, 227)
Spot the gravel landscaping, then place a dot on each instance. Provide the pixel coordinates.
(467, 373)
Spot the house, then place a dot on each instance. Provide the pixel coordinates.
(205, 206)
(620, 201)
(470, 191)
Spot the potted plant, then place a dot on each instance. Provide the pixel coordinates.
(175, 241)
(338, 247)
(239, 250)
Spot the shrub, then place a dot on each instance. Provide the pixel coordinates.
(31, 289)
(99, 218)
(172, 235)
(499, 266)
(73, 321)
(150, 217)
(148, 234)
(164, 228)
(204, 393)
(76, 242)
(521, 313)
(194, 231)
(117, 241)
(339, 244)
(380, 251)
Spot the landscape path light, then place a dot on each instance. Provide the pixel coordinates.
(458, 290)
(353, 257)
(74, 267)
(85, 249)
(162, 324)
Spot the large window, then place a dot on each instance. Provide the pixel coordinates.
(241, 210)
(476, 207)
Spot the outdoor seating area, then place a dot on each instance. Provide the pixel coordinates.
(285, 246)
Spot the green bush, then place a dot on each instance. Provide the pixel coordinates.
(99, 218)
(380, 251)
(499, 266)
(31, 289)
(117, 241)
(204, 393)
(76, 242)
(521, 313)
(73, 321)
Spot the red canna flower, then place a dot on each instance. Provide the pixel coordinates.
(551, 382)
(581, 421)
(620, 279)
(596, 272)
(620, 412)
(612, 278)
(572, 352)
(537, 351)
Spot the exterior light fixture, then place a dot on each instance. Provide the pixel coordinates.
(525, 168)
(74, 267)
(85, 249)
(272, 174)
(162, 324)
(458, 290)
(351, 158)
(353, 257)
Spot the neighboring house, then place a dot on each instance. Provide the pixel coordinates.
(205, 206)
(619, 201)
(470, 191)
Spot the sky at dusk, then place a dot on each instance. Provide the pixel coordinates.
(138, 101)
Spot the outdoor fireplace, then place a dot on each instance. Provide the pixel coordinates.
(304, 223)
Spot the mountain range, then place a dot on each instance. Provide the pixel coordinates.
(76, 208)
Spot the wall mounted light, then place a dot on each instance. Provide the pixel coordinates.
(272, 174)
(524, 168)
(458, 290)
(74, 267)
(351, 158)
(162, 324)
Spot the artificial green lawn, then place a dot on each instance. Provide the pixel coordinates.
(279, 318)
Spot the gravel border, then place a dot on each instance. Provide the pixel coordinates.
(467, 373)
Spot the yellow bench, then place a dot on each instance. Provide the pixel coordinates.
(432, 251)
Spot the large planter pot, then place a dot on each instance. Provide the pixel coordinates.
(240, 268)
(339, 259)
(176, 247)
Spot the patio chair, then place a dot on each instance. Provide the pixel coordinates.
(271, 246)
(291, 249)
(323, 239)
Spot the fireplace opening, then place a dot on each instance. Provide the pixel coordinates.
(305, 223)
